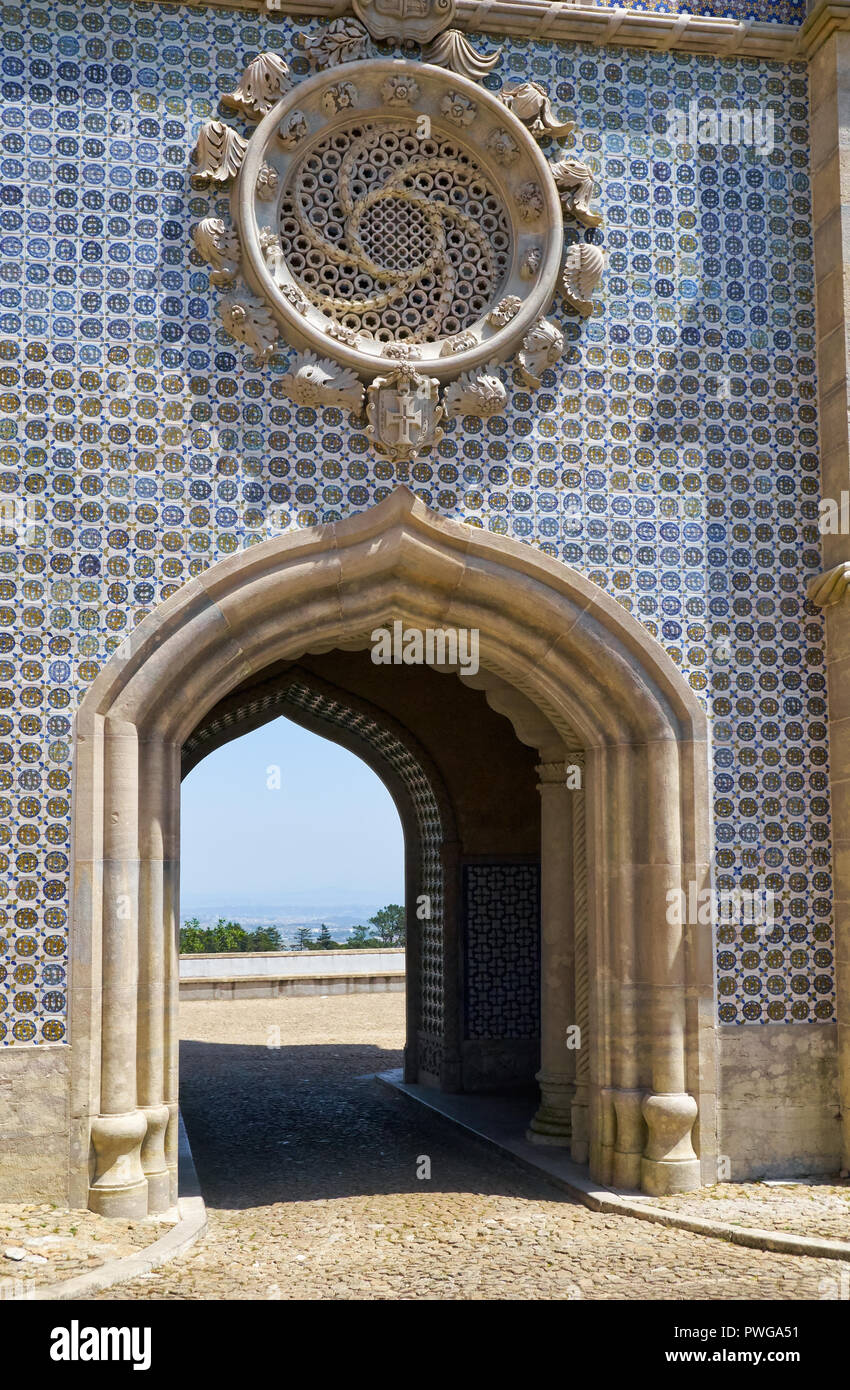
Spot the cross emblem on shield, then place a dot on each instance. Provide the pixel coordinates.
(404, 413)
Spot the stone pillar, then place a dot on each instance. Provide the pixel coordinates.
(119, 1187)
(669, 1163)
(552, 1123)
(156, 768)
(171, 965)
(829, 91)
(580, 1123)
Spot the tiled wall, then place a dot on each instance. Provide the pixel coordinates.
(672, 458)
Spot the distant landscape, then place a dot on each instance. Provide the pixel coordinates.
(239, 926)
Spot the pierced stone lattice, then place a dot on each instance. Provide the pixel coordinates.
(393, 236)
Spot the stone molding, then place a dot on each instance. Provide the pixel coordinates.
(571, 652)
(619, 27)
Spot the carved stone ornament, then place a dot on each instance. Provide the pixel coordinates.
(218, 245)
(343, 41)
(219, 152)
(395, 221)
(530, 103)
(416, 21)
(317, 381)
(261, 86)
(476, 393)
(583, 268)
(252, 324)
(404, 413)
(396, 224)
(542, 348)
(574, 182)
(453, 50)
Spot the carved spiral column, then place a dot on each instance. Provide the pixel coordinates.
(119, 1187)
(552, 1124)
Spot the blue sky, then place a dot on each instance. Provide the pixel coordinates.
(330, 834)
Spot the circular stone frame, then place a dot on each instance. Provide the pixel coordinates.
(252, 215)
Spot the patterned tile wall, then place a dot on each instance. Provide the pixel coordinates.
(501, 940)
(672, 458)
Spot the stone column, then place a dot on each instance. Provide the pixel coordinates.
(119, 1187)
(669, 1163)
(829, 91)
(171, 965)
(580, 1146)
(156, 768)
(552, 1123)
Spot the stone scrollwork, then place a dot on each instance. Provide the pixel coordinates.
(218, 245)
(574, 182)
(252, 324)
(396, 223)
(530, 103)
(317, 381)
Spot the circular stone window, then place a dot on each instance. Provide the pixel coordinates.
(392, 211)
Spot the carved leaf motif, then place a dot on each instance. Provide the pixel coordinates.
(218, 245)
(316, 381)
(574, 182)
(582, 272)
(292, 129)
(343, 41)
(476, 393)
(251, 323)
(453, 50)
(219, 152)
(261, 86)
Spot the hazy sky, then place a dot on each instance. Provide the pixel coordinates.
(329, 834)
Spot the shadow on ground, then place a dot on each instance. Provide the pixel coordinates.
(308, 1123)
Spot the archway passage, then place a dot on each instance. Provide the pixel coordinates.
(581, 682)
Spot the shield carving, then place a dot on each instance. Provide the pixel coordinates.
(418, 20)
(404, 413)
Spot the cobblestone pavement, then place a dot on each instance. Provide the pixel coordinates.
(42, 1244)
(309, 1169)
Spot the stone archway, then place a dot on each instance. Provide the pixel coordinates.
(567, 664)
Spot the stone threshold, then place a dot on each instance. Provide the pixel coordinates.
(501, 1122)
(190, 1227)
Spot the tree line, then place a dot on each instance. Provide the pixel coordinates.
(386, 928)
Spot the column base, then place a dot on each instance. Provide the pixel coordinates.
(669, 1164)
(120, 1187)
(154, 1165)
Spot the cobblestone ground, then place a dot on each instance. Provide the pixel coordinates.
(309, 1171)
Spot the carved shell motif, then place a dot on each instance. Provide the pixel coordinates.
(453, 50)
(219, 152)
(582, 273)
